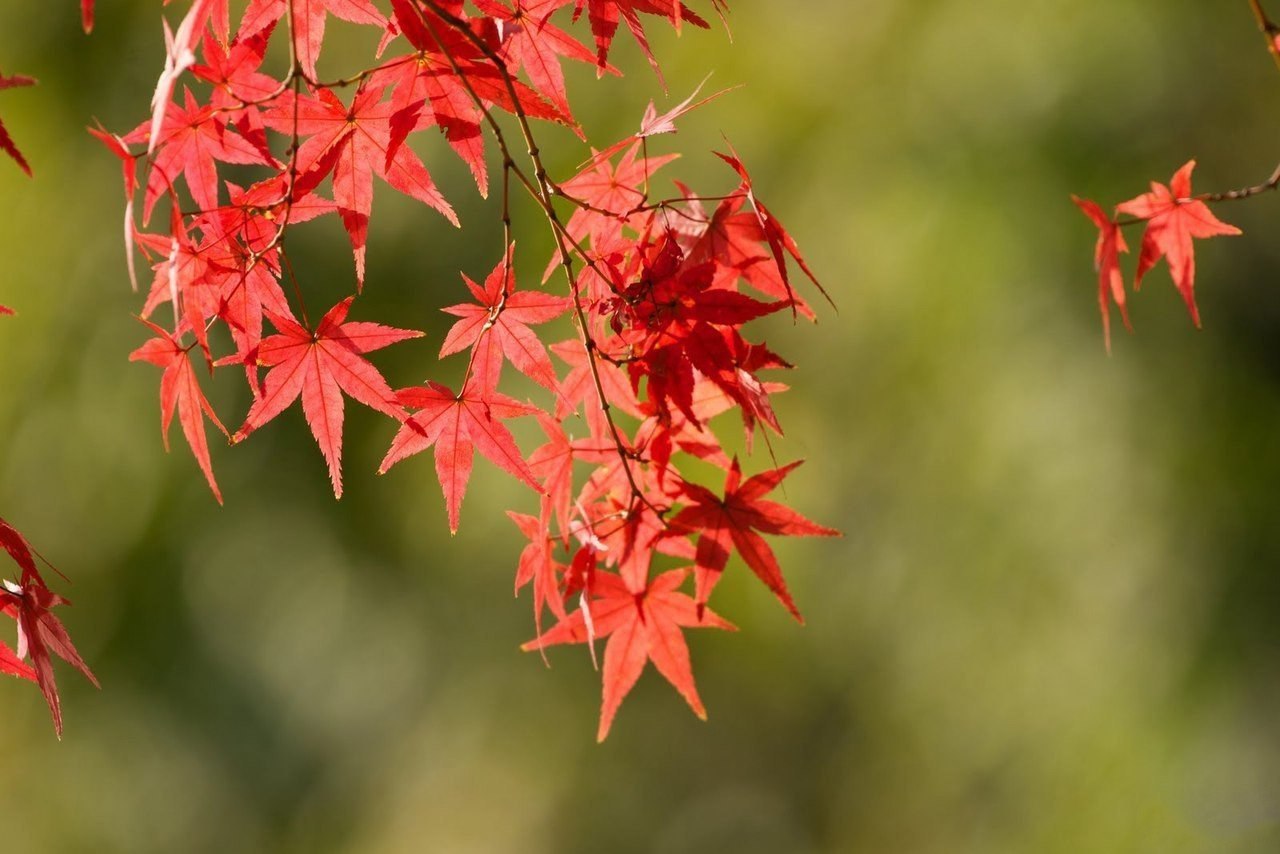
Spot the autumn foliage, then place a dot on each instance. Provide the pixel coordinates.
(629, 536)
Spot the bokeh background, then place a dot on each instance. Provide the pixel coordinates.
(1051, 625)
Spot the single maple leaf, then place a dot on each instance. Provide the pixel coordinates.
(39, 631)
(320, 366)
(732, 521)
(1106, 260)
(458, 424)
(641, 627)
(504, 315)
(86, 15)
(4, 309)
(180, 392)
(1173, 219)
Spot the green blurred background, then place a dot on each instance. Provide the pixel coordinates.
(1051, 625)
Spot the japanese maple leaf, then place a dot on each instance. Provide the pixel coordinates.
(604, 187)
(191, 143)
(735, 242)
(39, 631)
(1173, 219)
(308, 22)
(128, 164)
(180, 392)
(538, 565)
(579, 385)
(86, 15)
(7, 145)
(653, 124)
(4, 309)
(1106, 259)
(552, 463)
(531, 41)
(239, 87)
(179, 56)
(605, 15)
(352, 142)
(641, 627)
(504, 315)
(441, 83)
(734, 520)
(320, 366)
(780, 241)
(457, 425)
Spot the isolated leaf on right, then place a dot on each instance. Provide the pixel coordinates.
(1173, 219)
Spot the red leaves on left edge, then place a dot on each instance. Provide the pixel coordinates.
(29, 601)
(7, 145)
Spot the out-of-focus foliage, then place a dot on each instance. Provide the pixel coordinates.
(1051, 625)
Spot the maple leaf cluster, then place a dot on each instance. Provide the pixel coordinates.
(655, 296)
(1173, 217)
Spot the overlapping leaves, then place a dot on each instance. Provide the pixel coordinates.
(633, 354)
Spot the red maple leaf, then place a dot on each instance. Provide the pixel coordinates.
(1106, 259)
(442, 82)
(531, 41)
(86, 15)
(191, 142)
(4, 309)
(352, 142)
(641, 627)
(605, 15)
(606, 189)
(1173, 219)
(733, 522)
(320, 366)
(7, 145)
(39, 631)
(780, 241)
(180, 392)
(308, 23)
(504, 315)
(458, 424)
(538, 565)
